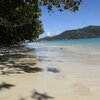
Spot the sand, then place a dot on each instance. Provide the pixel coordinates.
(53, 72)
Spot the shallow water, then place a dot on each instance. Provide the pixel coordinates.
(79, 63)
(69, 73)
(91, 45)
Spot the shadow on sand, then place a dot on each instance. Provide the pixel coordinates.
(17, 60)
(5, 85)
(41, 96)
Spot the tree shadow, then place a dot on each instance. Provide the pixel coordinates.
(18, 60)
(5, 85)
(14, 52)
(28, 69)
(22, 99)
(41, 96)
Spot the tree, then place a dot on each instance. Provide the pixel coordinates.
(19, 19)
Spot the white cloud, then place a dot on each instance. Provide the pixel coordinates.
(57, 33)
(48, 34)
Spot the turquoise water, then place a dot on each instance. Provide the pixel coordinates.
(76, 41)
(90, 44)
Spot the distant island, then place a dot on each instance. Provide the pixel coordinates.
(86, 32)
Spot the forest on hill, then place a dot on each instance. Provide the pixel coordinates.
(86, 32)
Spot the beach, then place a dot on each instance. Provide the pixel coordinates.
(56, 72)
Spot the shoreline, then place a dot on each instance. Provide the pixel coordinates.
(59, 72)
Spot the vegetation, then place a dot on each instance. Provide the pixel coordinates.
(86, 32)
(19, 19)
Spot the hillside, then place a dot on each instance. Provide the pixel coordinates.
(86, 32)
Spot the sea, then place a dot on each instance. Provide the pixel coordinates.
(89, 45)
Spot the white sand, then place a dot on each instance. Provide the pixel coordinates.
(79, 78)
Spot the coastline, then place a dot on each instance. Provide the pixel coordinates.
(76, 76)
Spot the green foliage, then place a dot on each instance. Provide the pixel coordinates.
(86, 32)
(19, 19)
(72, 5)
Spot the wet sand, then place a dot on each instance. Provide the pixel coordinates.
(62, 74)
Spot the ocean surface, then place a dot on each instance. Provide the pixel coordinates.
(90, 45)
(78, 65)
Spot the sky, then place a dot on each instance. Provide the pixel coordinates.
(56, 23)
